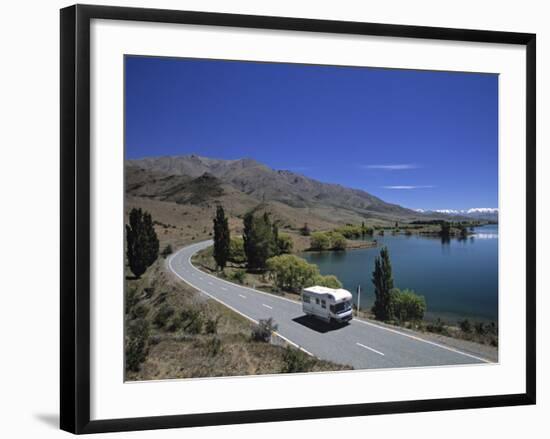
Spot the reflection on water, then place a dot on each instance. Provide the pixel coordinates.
(486, 235)
(458, 277)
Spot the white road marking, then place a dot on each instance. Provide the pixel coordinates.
(201, 278)
(296, 345)
(223, 288)
(370, 349)
(198, 245)
(267, 306)
(423, 340)
(240, 295)
(210, 283)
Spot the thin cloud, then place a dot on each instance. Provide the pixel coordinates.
(392, 167)
(408, 187)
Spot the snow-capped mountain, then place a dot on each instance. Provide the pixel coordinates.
(485, 213)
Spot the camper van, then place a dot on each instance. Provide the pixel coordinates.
(328, 304)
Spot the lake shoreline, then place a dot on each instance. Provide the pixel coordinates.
(437, 328)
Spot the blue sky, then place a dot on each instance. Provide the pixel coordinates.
(416, 138)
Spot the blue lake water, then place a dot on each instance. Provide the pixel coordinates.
(459, 279)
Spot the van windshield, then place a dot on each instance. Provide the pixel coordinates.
(341, 307)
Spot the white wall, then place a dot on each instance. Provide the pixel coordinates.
(30, 204)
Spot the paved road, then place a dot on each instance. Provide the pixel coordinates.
(361, 344)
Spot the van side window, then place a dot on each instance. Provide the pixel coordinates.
(323, 304)
(306, 298)
(317, 301)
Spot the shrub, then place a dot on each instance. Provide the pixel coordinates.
(408, 306)
(329, 281)
(294, 361)
(263, 330)
(131, 299)
(284, 244)
(211, 326)
(480, 328)
(320, 241)
(191, 321)
(338, 241)
(437, 327)
(350, 231)
(149, 292)
(305, 230)
(465, 326)
(238, 276)
(291, 273)
(155, 339)
(236, 251)
(139, 311)
(492, 328)
(163, 314)
(136, 343)
(214, 346)
(167, 251)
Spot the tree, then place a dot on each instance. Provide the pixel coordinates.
(382, 279)
(248, 244)
(258, 240)
(463, 232)
(320, 241)
(222, 238)
(445, 229)
(274, 240)
(142, 241)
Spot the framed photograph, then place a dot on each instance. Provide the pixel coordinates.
(268, 218)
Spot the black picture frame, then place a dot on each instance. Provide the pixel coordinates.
(75, 217)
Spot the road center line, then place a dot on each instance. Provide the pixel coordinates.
(223, 288)
(240, 295)
(267, 306)
(370, 349)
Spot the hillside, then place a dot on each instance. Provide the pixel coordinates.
(243, 184)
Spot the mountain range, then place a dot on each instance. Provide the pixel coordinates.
(245, 184)
(480, 213)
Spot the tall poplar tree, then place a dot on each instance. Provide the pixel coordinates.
(142, 241)
(222, 238)
(382, 279)
(259, 243)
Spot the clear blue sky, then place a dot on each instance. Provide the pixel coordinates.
(419, 139)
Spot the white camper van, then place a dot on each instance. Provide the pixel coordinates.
(328, 304)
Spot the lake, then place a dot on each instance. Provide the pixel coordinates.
(459, 279)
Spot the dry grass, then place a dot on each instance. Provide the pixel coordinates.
(179, 354)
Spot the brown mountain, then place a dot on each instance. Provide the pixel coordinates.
(245, 183)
